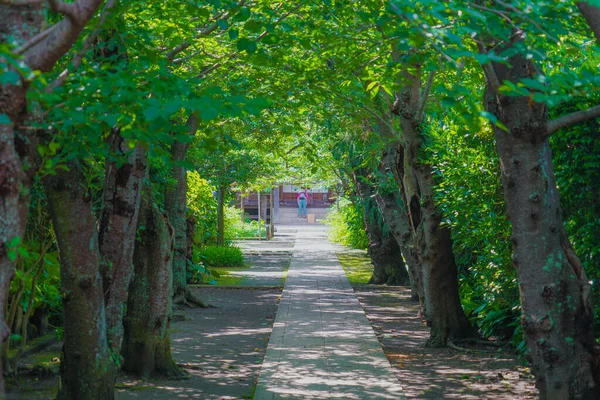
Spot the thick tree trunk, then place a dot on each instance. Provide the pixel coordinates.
(19, 24)
(85, 364)
(175, 206)
(117, 229)
(191, 225)
(433, 242)
(383, 249)
(220, 215)
(556, 302)
(395, 215)
(147, 347)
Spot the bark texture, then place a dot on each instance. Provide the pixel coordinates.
(557, 311)
(395, 215)
(432, 241)
(175, 206)
(85, 364)
(146, 347)
(21, 24)
(383, 249)
(118, 223)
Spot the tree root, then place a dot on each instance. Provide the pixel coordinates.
(189, 300)
(451, 345)
(482, 342)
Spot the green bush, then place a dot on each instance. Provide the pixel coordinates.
(202, 207)
(235, 228)
(346, 225)
(220, 256)
(469, 193)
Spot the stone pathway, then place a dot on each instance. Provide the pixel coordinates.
(322, 345)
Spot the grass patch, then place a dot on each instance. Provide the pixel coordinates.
(225, 277)
(358, 268)
(221, 256)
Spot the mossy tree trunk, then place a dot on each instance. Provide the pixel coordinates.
(117, 227)
(176, 206)
(433, 242)
(556, 296)
(383, 249)
(85, 365)
(395, 215)
(147, 347)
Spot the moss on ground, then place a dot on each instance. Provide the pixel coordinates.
(358, 267)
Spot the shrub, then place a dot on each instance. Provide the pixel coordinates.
(235, 228)
(469, 194)
(347, 227)
(221, 256)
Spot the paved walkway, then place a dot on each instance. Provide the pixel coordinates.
(322, 345)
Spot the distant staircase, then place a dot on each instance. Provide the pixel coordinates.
(289, 215)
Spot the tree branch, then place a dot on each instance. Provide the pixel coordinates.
(591, 13)
(572, 119)
(44, 54)
(67, 9)
(18, 3)
(424, 96)
(204, 32)
(78, 58)
(488, 69)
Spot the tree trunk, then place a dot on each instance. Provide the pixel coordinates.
(383, 249)
(557, 311)
(220, 215)
(20, 24)
(147, 347)
(175, 206)
(395, 215)
(117, 230)
(433, 242)
(85, 363)
(191, 225)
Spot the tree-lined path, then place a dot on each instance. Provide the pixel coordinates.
(322, 345)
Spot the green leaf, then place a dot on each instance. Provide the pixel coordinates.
(222, 24)
(208, 113)
(234, 34)
(371, 85)
(253, 26)
(246, 44)
(10, 78)
(4, 120)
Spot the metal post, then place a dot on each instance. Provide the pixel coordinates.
(258, 193)
(272, 211)
(276, 204)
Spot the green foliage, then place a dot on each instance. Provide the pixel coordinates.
(202, 207)
(221, 256)
(199, 273)
(235, 228)
(346, 225)
(469, 194)
(576, 155)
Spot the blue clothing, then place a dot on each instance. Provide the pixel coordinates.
(302, 207)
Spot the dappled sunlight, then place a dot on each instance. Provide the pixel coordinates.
(322, 345)
(434, 374)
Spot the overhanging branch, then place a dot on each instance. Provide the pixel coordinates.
(572, 119)
(591, 14)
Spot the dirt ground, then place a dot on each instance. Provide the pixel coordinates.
(482, 373)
